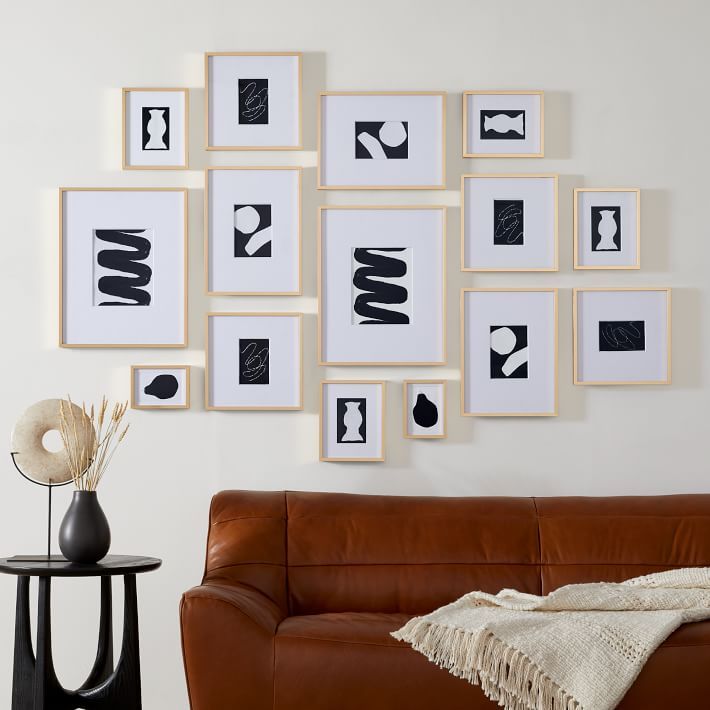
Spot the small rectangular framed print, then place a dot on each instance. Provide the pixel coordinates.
(509, 223)
(503, 124)
(253, 228)
(352, 420)
(424, 409)
(123, 267)
(509, 352)
(381, 285)
(607, 228)
(155, 129)
(381, 141)
(254, 361)
(253, 100)
(622, 336)
(160, 386)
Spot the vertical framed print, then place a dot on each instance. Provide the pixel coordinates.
(503, 124)
(123, 267)
(509, 352)
(381, 141)
(254, 361)
(253, 231)
(253, 100)
(424, 409)
(155, 129)
(160, 386)
(607, 228)
(381, 285)
(352, 420)
(622, 336)
(509, 223)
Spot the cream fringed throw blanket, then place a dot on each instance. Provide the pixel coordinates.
(579, 648)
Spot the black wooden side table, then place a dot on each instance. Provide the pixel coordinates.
(35, 685)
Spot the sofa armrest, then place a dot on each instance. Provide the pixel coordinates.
(228, 646)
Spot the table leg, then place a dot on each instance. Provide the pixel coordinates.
(47, 691)
(24, 668)
(103, 665)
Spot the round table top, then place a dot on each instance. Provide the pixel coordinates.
(57, 566)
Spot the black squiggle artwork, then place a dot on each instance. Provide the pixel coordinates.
(376, 277)
(130, 287)
(622, 335)
(253, 361)
(253, 101)
(508, 222)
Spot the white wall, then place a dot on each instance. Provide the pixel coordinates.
(626, 105)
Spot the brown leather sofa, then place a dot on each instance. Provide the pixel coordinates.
(301, 591)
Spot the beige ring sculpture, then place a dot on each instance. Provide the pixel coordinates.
(31, 456)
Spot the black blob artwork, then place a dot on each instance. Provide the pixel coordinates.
(162, 387)
(252, 230)
(351, 420)
(606, 228)
(509, 352)
(374, 276)
(381, 140)
(253, 105)
(622, 335)
(127, 289)
(502, 125)
(425, 413)
(253, 361)
(508, 224)
(156, 128)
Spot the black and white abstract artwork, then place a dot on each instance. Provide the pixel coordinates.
(163, 386)
(156, 128)
(381, 140)
(508, 222)
(351, 424)
(509, 352)
(382, 285)
(123, 272)
(425, 412)
(252, 231)
(253, 104)
(606, 228)
(622, 335)
(254, 361)
(502, 125)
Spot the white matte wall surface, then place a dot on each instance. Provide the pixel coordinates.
(624, 107)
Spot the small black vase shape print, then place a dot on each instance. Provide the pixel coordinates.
(425, 412)
(162, 387)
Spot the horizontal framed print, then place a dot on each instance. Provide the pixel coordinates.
(381, 141)
(253, 231)
(622, 336)
(607, 228)
(352, 420)
(155, 129)
(253, 100)
(123, 267)
(160, 386)
(509, 352)
(503, 124)
(254, 361)
(424, 409)
(381, 285)
(509, 223)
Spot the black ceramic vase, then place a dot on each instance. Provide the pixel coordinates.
(84, 535)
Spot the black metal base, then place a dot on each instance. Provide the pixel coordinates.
(35, 685)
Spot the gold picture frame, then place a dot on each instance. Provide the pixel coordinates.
(405, 409)
(136, 368)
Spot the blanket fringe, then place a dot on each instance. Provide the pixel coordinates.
(505, 675)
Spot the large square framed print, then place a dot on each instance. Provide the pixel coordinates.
(381, 141)
(253, 100)
(352, 420)
(424, 409)
(155, 129)
(509, 352)
(254, 361)
(381, 285)
(160, 386)
(622, 336)
(123, 267)
(509, 223)
(503, 124)
(607, 228)
(253, 231)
